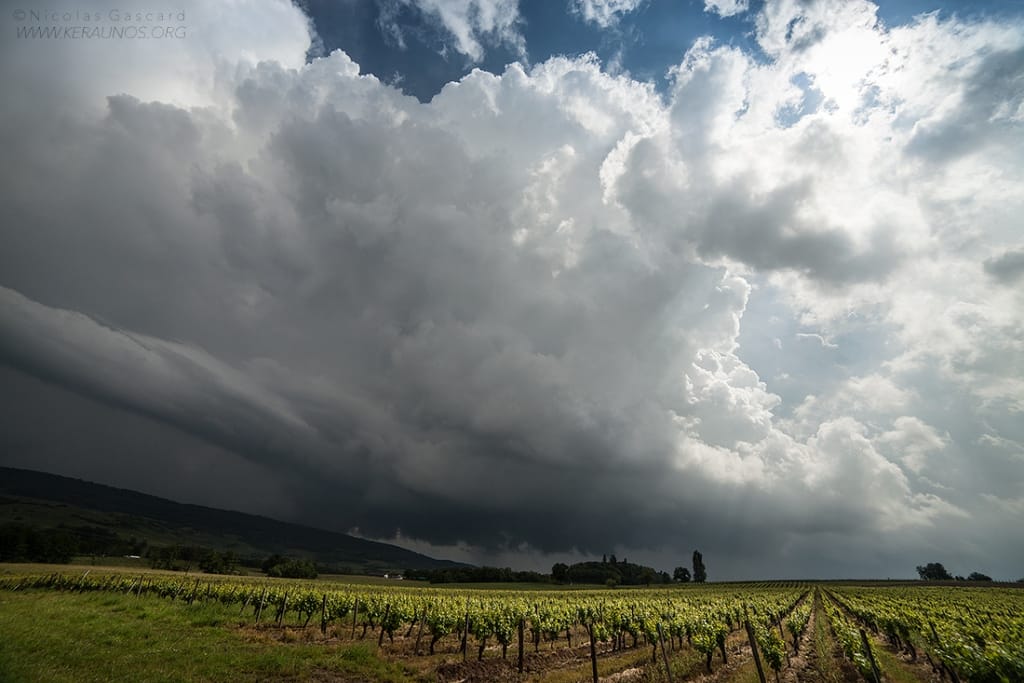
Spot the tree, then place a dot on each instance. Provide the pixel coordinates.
(681, 574)
(978, 576)
(288, 568)
(700, 574)
(647, 576)
(934, 571)
(560, 572)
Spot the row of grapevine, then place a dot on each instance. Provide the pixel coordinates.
(855, 645)
(796, 622)
(701, 617)
(969, 634)
(763, 624)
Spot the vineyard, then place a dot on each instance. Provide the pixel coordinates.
(733, 632)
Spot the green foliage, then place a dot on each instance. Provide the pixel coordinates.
(700, 574)
(22, 543)
(934, 571)
(849, 639)
(289, 568)
(479, 575)
(185, 558)
(796, 622)
(978, 633)
(27, 543)
(681, 574)
(610, 572)
(773, 650)
(618, 573)
(973, 631)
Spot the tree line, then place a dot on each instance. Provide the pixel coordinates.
(60, 545)
(609, 571)
(26, 543)
(934, 571)
(476, 575)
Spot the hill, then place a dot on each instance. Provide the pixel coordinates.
(50, 501)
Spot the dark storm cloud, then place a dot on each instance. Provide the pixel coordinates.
(53, 429)
(171, 382)
(506, 318)
(1007, 267)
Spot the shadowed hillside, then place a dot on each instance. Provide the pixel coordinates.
(48, 501)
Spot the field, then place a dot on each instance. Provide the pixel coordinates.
(59, 624)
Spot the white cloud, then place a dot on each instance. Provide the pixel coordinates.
(825, 343)
(605, 13)
(185, 71)
(469, 23)
(911, 440)
(726, 8)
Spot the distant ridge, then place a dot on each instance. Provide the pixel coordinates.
(49, 500)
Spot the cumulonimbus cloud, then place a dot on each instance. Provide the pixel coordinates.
(533, 292)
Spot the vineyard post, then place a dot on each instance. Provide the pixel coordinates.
(871, 656)
(784, 648)
(138, 593)
(664, 653)
(323, 615)
(753, 648)
(355, 613)
(283, 609)
(259, 605)
(412, 624)
(593, 650)
(522, 628)
(419, 632)
(465, 633)
(942, 664)
(383, 624)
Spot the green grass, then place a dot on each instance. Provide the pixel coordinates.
(825, 662)
(893, 668)
(58, 637)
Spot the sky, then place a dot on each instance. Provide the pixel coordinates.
(517, 282)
